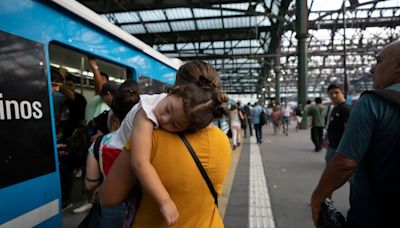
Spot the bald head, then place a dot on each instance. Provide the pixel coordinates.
(386, 71)
(393, 49)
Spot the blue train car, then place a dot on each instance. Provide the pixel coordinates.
(30, 184)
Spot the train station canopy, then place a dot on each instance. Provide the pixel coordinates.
(253, 43)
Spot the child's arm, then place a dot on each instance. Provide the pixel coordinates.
(140, 162)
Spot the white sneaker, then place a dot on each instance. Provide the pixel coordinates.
(78, 173)
(84, 208)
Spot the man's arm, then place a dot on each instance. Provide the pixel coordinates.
(338, 171)
(68, 93)
(98, 81)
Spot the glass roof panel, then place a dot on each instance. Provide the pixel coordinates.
(275, 9)
(183, 25)
(231, 13)
(260, 8)
(240, 6)
(152, 15)
(126, 17)
(157, 27)
(206, 13)
(325, 5)
(218, 44)
(209, 24)
(134, 29)
(179, 13)
(388, 3)
(219, 51)
(205, 45)
(184, 46)
(263, 21)
(239, 51)
(237, 22)
(166, 47)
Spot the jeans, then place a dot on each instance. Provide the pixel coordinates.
(257, 128)
(113, 216)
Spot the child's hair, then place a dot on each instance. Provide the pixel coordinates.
(190, 72)
(202, 101)
(125, 98)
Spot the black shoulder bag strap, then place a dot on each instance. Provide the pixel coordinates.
(96, 148)
(201, 168)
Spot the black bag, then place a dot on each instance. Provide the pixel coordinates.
(263, 119)
(329, 217)
(229, 133)
(92, 220)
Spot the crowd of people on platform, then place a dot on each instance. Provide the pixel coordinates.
(361, 142)
(125, 143)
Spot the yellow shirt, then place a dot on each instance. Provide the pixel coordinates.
(183, 180)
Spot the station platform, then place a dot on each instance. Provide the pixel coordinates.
(269, 185)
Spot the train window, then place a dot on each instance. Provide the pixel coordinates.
(25, 126)
(149, 85)
(76, 64)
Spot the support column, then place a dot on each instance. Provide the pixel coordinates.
(302, 34)
(277, 70)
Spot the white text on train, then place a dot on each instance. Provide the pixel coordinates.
(12, 109)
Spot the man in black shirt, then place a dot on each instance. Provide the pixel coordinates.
(247, 112)
(72, 112)
(337, 119)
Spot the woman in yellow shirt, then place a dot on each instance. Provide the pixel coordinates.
(180, 176)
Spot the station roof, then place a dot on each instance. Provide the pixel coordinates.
(239, 38)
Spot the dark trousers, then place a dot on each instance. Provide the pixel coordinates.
(316, 137)
(66, 173)
(250, 124)
(258, 129)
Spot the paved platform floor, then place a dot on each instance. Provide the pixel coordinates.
(269, 185)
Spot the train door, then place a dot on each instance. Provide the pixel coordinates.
(74, 64)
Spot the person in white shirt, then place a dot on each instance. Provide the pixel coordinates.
(287, 113)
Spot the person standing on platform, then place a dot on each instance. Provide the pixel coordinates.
(368, 153)
(317, 123)
(337, 120)
(247, 112)
(287, 114)
(234, 123)
(304, 119)
(256, 117)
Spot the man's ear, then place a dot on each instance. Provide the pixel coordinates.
(397, 70)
